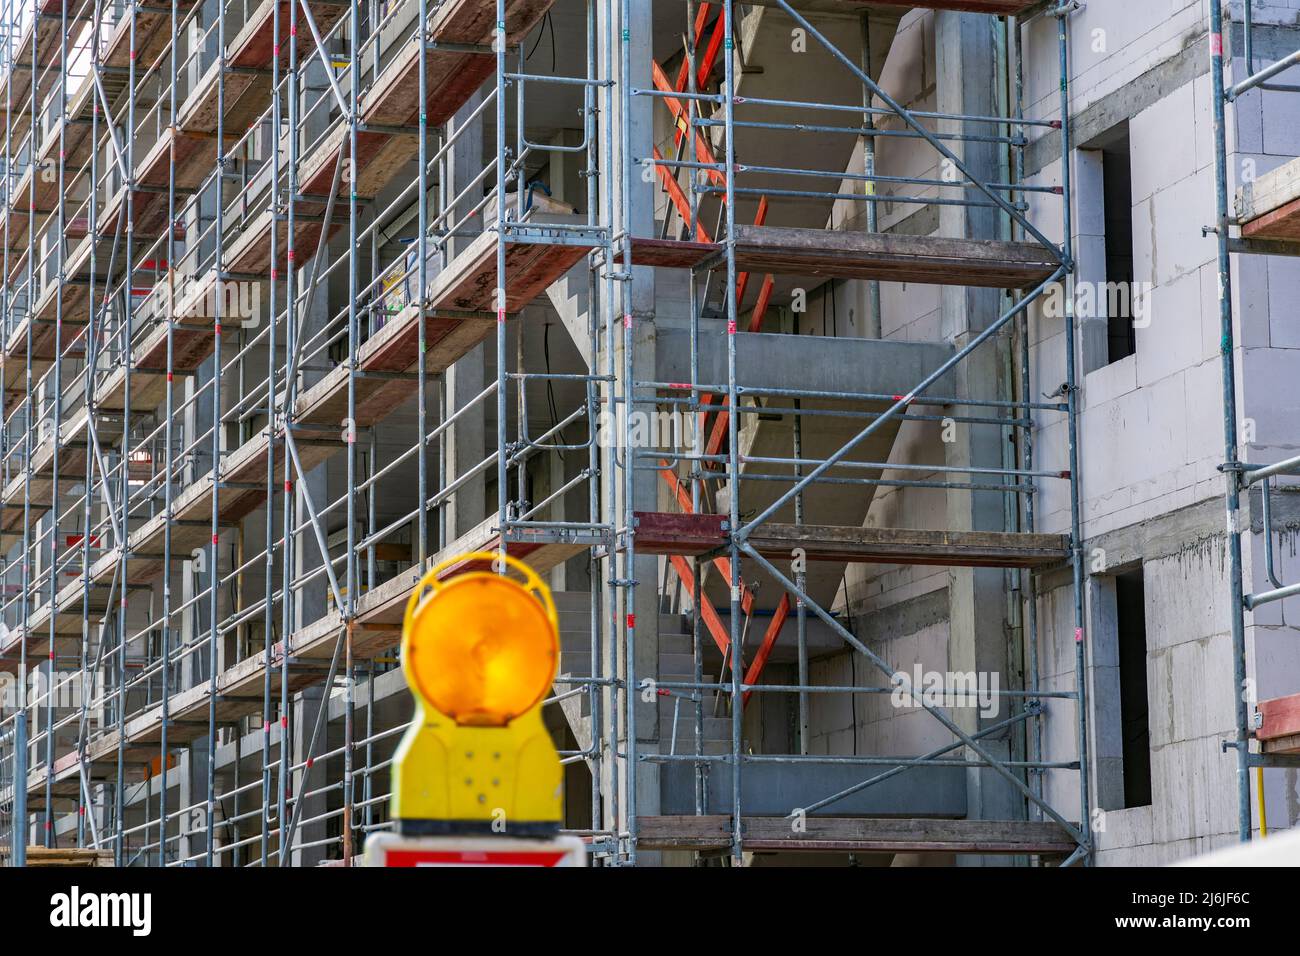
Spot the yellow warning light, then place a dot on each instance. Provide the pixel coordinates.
(481, 648)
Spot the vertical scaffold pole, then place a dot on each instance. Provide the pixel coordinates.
(352, 576)
(1072, 400)
(169, 439)
(57, 401)
(1232, 466)
(214, 577)
(628, 391)
(268, 614)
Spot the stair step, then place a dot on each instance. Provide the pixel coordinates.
(676, 664)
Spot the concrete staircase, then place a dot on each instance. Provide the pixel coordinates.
(571, 299)
(676, 663)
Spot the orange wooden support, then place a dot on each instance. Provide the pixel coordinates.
(769, 641)
(703, 153)
(764, 300)
(707, 64)
(678, 198)
(710, 55)
(714, 623)
(719, 433)
(701, 21)
(742, 281)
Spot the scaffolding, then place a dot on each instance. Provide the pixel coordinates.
(205, 311)
(1264, 219)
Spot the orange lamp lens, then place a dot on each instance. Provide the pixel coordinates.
(482, 651)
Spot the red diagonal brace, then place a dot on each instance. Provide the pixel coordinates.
(769, 641)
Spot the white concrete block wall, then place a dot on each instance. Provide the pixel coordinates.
(1060, 788)
(873, 723)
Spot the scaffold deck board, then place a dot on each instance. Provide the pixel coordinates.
(241, 489)
(152, 35)
(68, 856)
(857, 834)
(380, 610)
(195, 158)
(20, 215)
(69, 621)
(11, 514)
(47, 336)
(19, 221)
(246, 95)
(77, 603)
(392, 350)
(76, 128)
(38, 642)
(694, 535)
(469, 282)
(1269, 208)
(239, 688)
(473, 21)
(37, 191)
(16, 81)
(74, 446)
(254, 45)
(1279, 729)
(191, 345)
(451, 77)
(379, 158)
(670, 253)
(147, 215)
(245, 98)
(48, 27)
(393, 100)
(250, 251)
(892, 258)
(13, 369)
(886, 257)
(70, 300)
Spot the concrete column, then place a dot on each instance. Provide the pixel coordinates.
(640, 221)
(1090, 254)
(966, 48)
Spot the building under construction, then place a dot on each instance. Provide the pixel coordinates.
(868, 380)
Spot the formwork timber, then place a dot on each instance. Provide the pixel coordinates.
(885, 257)
(696, 535)
(856, 835)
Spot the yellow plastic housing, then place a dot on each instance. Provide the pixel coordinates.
(480, 651)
